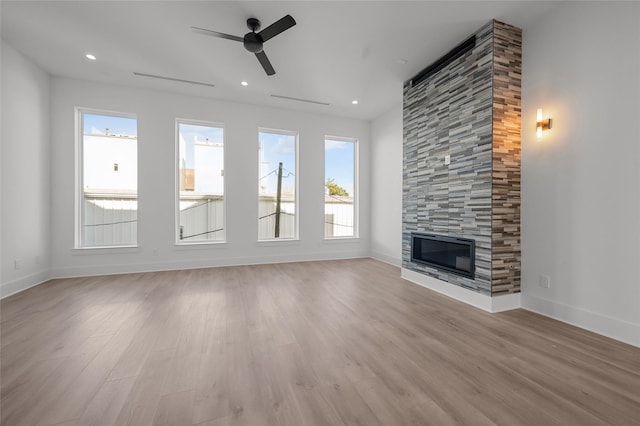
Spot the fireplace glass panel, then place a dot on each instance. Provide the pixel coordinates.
(455, 255)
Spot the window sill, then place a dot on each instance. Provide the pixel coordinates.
(200, 244)
(278, 241)
(338, 239)
(104, 250)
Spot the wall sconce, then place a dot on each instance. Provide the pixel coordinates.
(541, 124)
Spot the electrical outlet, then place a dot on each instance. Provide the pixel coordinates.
(545, 281)
(17, 263)
(447, 160)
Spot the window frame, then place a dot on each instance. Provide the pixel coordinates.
(356, 187)
(204, 123)
(296, 224)
(79, 177)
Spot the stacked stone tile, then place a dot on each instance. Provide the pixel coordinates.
(469, 110)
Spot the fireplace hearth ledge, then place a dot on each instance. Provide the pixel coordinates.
(486, 303)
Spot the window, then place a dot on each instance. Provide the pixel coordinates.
(200, 193)
(340, 208)
(108, 179)
(277, 185)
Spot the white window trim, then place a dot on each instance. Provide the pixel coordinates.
(356, 186)
(182, 243)
(79, 174)
(296, 135)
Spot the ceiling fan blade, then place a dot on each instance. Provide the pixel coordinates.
(277, 27)
(264, 61)
(217, 34)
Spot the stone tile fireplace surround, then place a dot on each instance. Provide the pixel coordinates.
(467, 114)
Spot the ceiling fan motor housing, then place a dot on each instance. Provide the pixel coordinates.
(253, 42)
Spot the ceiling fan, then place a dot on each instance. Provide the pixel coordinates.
(253, 41)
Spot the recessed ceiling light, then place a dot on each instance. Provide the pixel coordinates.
(401, 61)
(90, 57)
(355, 102)
(244, 83)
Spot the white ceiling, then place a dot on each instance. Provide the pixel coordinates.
(337, 52)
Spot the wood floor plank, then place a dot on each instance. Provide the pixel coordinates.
(144, 398)
(211, 400)
(314, 409)
(46, 394)
(105, 407)
(21, 389)
(221, 421)
(175, 409)
(344, 342)
(68, 328)
(77, 396)
(349, 405)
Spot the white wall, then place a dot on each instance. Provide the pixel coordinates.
(157, 112)
(25, 173)
(581, 182)
(386, 184)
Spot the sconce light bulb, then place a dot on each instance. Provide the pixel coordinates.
(539, 132)
(539, 115)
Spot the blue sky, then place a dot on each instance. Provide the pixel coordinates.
(339, 163)
(97, 124)
(276, 148)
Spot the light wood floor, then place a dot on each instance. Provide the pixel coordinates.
(318, 343)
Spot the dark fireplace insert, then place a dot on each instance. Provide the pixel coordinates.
(449, 254)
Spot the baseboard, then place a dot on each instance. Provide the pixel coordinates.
(613, 328)
(113, 269)
(486, 303)
(394, 261)
(21, 284)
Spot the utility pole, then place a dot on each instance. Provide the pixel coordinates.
(278, 197)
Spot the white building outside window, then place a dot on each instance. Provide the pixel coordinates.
(200, 192)
(108, 179)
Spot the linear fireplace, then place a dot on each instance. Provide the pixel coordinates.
(450, 254)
